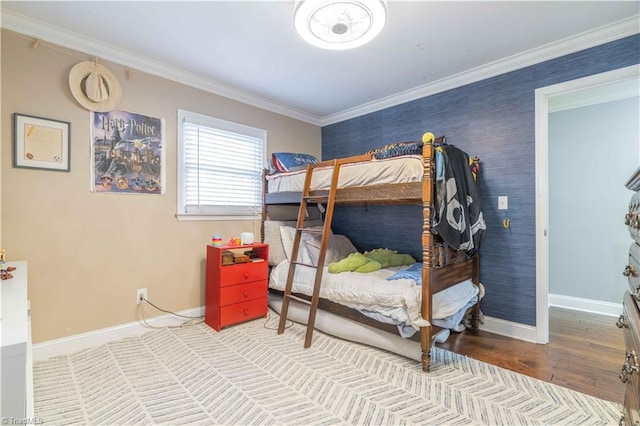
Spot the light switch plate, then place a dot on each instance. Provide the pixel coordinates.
(503, 202)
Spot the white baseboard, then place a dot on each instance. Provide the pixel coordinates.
(528, 333)
(69, 344)
(585, 305)
(511, 329)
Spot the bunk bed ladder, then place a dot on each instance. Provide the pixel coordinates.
(310, 197)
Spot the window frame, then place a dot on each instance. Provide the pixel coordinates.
(218, 124)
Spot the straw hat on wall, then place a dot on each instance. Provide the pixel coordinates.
(94, 86)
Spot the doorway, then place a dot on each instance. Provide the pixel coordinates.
(601, 88)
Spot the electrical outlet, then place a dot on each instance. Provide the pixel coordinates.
(141, 295)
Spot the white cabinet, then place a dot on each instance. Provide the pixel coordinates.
(15, 335)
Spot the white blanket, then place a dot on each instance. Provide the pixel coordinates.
(397, 299)
(408, 168)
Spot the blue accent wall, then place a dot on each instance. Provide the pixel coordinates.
(495, 120)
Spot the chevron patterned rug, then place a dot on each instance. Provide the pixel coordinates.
(249, 375)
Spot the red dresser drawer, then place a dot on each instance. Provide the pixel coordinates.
(243, 273)
(239, 312)
(243, 292)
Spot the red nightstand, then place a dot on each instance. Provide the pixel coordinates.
(236, 292)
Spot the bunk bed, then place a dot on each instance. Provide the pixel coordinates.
(443, 265)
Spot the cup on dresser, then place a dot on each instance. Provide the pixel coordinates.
(247, 238)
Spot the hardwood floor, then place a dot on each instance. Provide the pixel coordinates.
(584, 353)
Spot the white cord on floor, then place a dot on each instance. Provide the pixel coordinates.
(189, 323)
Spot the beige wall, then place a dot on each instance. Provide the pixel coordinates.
(88, 252)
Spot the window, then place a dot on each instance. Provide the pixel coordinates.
(220, 167)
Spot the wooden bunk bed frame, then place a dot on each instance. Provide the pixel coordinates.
(442, 266)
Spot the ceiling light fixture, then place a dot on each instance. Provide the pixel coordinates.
(339, 24)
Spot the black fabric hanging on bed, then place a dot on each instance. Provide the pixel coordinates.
(458, 219)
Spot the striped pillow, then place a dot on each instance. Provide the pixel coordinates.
(397, 149)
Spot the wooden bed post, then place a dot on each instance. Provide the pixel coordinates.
(475, 315)
(427, 247)
(475, 278)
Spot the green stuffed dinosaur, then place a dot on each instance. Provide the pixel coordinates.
(370, 261)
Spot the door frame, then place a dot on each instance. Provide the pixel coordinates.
(542, 97)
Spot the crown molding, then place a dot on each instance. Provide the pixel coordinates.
(617, 30)
(61, 37)
(64, 38)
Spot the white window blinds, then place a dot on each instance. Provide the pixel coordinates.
(222, 165)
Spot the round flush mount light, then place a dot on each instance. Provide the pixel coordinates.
(339, 24)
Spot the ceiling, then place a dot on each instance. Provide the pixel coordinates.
(249, 50)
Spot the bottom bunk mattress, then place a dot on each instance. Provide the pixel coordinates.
(379, 297)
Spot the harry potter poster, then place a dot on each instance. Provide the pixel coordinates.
(128, 153)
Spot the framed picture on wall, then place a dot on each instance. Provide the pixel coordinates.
(127, 153)
(41, 143)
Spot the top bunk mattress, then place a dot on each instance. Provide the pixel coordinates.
(376, 172)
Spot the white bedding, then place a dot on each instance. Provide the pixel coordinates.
(403, 169)
(397, 299)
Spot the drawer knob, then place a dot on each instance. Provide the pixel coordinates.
(246, 275)
(245, 312)
(629, 270)
(629, 367)
(246, 294)
(622, 322)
